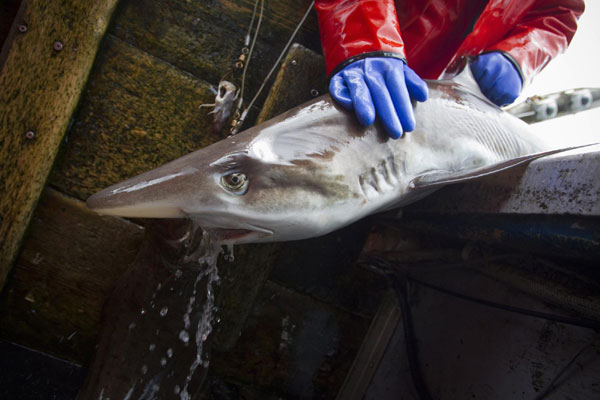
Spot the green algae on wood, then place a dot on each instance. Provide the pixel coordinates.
(68, 266)
(41, 82)
(205, 38)
(138, 112)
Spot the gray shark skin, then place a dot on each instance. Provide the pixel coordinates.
(314, 169)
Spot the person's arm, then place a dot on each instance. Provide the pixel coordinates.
(351, 30)
(542, 33)
(364, 57)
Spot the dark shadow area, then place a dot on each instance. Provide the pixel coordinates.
(27, 374)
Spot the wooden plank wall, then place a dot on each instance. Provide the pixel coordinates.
(159, 61)
(43, 72)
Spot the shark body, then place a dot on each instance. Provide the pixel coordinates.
(314, 169)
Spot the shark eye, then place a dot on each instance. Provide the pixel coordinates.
(236, 183)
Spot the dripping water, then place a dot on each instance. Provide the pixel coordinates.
(163, 346)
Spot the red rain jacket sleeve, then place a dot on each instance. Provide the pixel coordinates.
(532, 32)
(541, 34)
(350, 28)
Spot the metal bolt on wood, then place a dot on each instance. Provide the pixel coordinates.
(22, 28)
(29, 135)
(58, 46)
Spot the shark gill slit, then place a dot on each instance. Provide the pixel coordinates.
(391, 168)
(379, 179)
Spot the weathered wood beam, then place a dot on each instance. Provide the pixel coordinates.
(43, 73)
(300, 78)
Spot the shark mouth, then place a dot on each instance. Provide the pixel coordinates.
(234, 236)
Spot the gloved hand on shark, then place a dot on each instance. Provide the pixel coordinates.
(366, 44)
(315, 168)
(384, 87)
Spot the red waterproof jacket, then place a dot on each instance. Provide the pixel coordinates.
(434, 35)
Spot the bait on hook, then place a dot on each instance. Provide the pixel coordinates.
(226, 95)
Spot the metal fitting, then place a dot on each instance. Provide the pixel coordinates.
(30, 135)
(22, 28)
(58, 46)
(314, 92)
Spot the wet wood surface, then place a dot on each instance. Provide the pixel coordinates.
(293, 346)
(159, 62)
(43, 74)
(66, 270)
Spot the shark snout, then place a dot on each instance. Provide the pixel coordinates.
(155, 194)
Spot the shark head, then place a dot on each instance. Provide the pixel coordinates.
(273, 182)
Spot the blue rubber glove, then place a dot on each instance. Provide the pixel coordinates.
(380, 86)
(497, 77)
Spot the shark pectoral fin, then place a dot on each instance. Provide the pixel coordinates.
(434, 179)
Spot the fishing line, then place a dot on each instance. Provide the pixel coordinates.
(398, 281)
(247, 37)
(580, 322)
(400, 285)
(384, 267)
(260, 17)
(239, 122)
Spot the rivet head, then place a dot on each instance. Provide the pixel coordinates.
(314, 92)
(22, 28)
(58, 46)
(29, 135)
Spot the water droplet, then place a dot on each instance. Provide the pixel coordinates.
(185, 395)
(184, 336)
(178, 273)
(143, 311)
(229, 256)
(131, 325)
(164, 311)
(159, 286)
(204, 337)
(152, 347)
(163, 361)
(169, 352)
(144, 369)
(206, 363)
(177, 389)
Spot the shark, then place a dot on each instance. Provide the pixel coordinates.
(315, 169)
